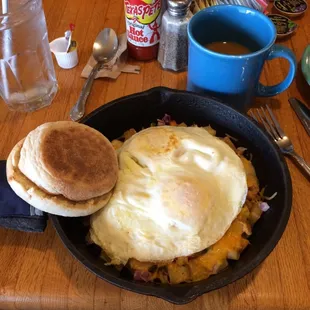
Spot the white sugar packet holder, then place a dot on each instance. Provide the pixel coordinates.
(116, 66)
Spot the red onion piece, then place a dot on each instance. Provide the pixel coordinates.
(264, 206)
(140, 275)
(160, 122)
(167, 119)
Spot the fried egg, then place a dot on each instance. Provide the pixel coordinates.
(178, 191)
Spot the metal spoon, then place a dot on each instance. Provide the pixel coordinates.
(104, 49)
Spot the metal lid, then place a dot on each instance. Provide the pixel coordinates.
(178, 7)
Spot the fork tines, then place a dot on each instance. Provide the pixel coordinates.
(265, 116)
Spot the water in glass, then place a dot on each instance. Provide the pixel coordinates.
(27, 76)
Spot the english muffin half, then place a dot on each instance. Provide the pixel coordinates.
(63, 168)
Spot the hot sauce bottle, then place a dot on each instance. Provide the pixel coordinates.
(143, 19)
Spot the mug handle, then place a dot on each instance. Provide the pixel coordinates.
(279, 51)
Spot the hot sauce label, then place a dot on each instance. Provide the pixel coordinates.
(143, 21)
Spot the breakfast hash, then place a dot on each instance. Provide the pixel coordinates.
(200, 265)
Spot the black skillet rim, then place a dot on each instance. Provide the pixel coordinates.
(166, 292)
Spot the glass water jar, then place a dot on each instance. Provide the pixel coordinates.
(27, 76)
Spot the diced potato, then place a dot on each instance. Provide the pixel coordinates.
(210, 130)
(252, 180)
(253, 187)
(247, 228)
(220, 265)
(255, 213)
(216, 254)
(249, 204)
(254, 217)
(233, 254)
(236, 228)
(228, 141)
(239, 227)
(137, 265)
(243, 243)
(129, 133)
(182, 261)
(244, 214)
(178, 274)
(116, 144)
(249, 169)
(197, 270)
(162, 275)
(182, 125)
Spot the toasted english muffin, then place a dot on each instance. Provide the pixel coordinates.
(40, 199)
(69, 159)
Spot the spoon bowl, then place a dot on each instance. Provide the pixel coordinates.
(105, 45)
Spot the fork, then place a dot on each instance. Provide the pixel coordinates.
(272, 126)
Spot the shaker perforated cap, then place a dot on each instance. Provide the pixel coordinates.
(178, 7)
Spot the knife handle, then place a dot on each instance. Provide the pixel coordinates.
(301, 162)
(302, 111)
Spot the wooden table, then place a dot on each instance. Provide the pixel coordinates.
(37, 272)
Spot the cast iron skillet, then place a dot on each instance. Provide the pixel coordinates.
(139, 110)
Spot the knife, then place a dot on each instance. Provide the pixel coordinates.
(302, 111)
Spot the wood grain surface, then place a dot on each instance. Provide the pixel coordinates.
(37, 272)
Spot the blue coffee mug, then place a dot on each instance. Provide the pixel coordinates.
(234, 79)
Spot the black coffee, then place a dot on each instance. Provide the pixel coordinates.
(228, 48)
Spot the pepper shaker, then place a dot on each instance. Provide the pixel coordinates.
(173, 45)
